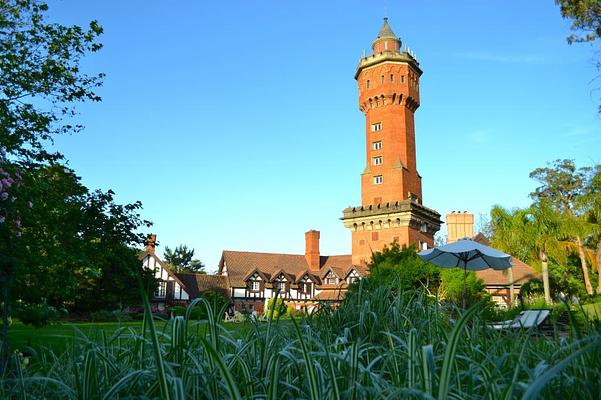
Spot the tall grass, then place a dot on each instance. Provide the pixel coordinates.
(384, 343)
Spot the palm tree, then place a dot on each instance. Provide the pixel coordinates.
(563, 190)
(530, 234)
(593, 199)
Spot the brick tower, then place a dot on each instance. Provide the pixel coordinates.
(391, 190)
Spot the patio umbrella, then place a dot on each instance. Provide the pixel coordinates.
(468, 255)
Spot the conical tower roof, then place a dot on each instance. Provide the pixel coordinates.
(386, 31)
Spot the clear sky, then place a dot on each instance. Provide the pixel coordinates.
(237, 123)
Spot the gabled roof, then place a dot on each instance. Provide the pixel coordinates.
(281, 271)
(197, 284)
(264, 276)
(240, 263)
(164, 266)
(309, 274)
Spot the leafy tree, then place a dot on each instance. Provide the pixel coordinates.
(403, 267)
(182, 260)
(59, 242)
(586, 19)
(562, 190)
(530, 234)
(593, 199)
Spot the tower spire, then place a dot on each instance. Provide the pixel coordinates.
(386, 39)
(386, 30)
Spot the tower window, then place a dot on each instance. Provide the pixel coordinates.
(391, 78)
(402, 79)
(376, 127)
(378, 179)
(382, 79)
(376, 145)
(367, 83)
(376, 160)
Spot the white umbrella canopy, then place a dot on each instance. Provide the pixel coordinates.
(468, 255)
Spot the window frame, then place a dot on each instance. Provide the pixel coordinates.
(161, 291)
(377, 145)
(378, 179)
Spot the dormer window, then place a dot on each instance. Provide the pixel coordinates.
(331, 279)
(254, 283)
(305, 287)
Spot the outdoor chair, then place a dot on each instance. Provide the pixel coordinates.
(525, 320)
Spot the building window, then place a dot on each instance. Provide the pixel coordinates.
(161, 290)
(382, 79)
(331, 280)
(376, 127)
(352, 279)
(378, 179)
(402, 78)
(376, 145)
(281, 286)
(376, 160)
(367, 83)
(254, 286)
(391, 78)
(305, 287)
(375, 236)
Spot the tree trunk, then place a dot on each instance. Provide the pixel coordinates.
(598, 259)
(5, 316)
(545, 267)
(511, 286)
(587, 280)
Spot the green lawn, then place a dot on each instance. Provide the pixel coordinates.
(593, 310)
(62, 335)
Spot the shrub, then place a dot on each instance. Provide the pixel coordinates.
(110, 316)
(279, 310)
(38, 315)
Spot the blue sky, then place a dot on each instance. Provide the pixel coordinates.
(237, 124)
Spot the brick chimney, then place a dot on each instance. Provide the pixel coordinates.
(312, 250)
(460, 224)
(151, 242)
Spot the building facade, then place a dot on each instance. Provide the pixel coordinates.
(391, 189)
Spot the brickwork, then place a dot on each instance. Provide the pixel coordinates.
(388, 83)
(459, 225)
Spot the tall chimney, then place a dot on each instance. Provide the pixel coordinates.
(312, 250)
(459, 225)
(151, 242)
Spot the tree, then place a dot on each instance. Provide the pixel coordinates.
(403, 267)
(59, 242)
(593, 199)
(586, 19)
(562, 190)
(530, 234)
(182, 260)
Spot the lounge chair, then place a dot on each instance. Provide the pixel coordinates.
(525, 320)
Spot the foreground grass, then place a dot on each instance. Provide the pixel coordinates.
(380, 344)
